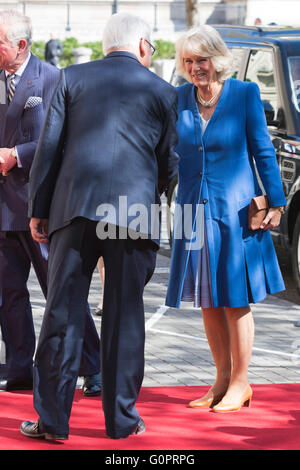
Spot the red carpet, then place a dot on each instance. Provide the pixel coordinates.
(272, 422)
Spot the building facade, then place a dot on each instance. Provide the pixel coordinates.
(85, 19)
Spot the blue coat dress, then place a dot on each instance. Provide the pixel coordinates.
(217, 173)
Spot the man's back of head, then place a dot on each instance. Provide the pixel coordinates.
(130, 33)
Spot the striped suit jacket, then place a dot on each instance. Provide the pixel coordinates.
(21, 126)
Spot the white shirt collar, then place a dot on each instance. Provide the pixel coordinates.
(22, 67)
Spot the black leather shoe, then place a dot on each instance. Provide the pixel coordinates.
(32, 429)
(16, 384)
(92, 386)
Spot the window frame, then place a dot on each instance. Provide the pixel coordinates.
(291, 81)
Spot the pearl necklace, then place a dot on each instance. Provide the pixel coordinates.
(212, 101)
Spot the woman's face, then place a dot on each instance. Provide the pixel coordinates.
(200, 70)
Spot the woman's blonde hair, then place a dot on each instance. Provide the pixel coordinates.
(204, 41)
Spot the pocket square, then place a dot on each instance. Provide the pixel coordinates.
(33, 101)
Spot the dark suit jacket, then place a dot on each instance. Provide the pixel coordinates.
(21, 127)
(110, 132)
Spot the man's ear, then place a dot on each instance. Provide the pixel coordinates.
(142, 48)
(22, 45)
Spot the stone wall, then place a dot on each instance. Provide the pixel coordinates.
(85, 19)
(281, 12)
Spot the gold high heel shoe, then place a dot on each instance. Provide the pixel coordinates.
(206, 401)
(226, 407)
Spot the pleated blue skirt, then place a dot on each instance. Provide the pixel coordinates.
(197, 283)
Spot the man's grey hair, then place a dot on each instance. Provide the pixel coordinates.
(19, 26)
(124, 30)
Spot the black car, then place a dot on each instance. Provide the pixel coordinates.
(271, 58)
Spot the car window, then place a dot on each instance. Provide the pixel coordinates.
(261, 70)
(177, 80)
(238, 55)
(294, 70)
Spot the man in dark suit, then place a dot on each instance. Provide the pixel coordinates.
(108, 142)
(26, 87)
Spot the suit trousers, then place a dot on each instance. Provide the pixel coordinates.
(17, 252)
(129, 265)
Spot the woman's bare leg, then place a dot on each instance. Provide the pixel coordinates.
(241, 332)
(217, 333)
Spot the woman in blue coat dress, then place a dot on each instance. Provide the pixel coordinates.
(217, 261)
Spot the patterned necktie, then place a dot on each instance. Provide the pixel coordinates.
(12, 87)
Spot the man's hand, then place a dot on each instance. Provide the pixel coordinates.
(7, 160)
(39, 229)
(272, 219)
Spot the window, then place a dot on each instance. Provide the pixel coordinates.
(238, 56)
(261, 71)
(294, 71)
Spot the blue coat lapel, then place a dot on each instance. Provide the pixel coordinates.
(24, 89)
(194, 108)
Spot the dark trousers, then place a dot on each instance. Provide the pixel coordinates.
(17, 252)
(129, 265)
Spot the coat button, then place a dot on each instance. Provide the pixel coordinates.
(200, 174)
(205, 201)
(1, 181)
(200, 148)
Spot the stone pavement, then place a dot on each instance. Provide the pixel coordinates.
(177, 352)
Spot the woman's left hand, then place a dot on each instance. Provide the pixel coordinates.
(272, 218)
